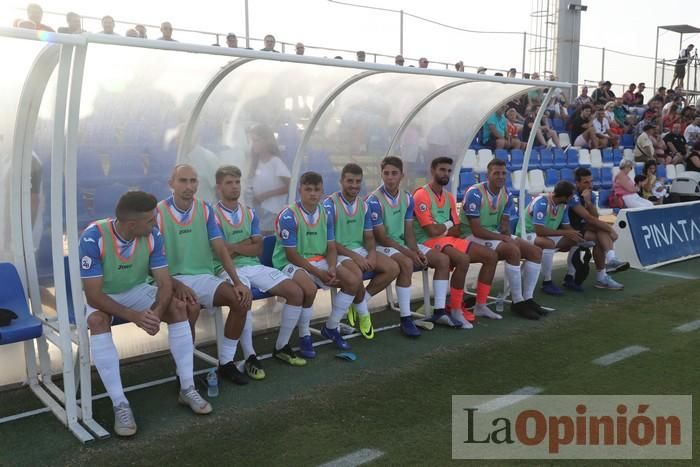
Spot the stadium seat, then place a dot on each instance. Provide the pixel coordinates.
(628, 154)
(627, 140)
(517, 176)
(509, 184)
(567, 174)
(584, 158)
(597, 177)
(564, 140)
(603, 196)
(615, 171)
(13, 298)
(516, 159)
(469, 161)
(466, 179)
(536, 181)
(546, 160)
(680, 168)
(501, 154)
(661, 171)
(552, 177)
(638, 169)
(606, 177)
(559, 159)
(596, 158)
(670, 172)
(558, 125)
(607, 156)
(483, 157)
(572, 158)
(535, 162)
(617, 156)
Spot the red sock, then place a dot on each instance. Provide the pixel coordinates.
(482, 293)
(456, 296)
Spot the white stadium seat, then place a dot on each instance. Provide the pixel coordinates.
(516, 176)
(680, 168)
(671, 172)
(596, 158)
(615, 171)
(628, 154)
(584, 157)
(536, 181)
(469, 161)
(483, 158)
(564, 140)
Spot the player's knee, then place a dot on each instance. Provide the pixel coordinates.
(391, 268)
(405, 264)
(490, 256)
(442, 261)
(292, 293)
(179, 311)
(99, 321)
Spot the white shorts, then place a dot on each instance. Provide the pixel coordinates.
(390, 251)
(203, 285)
(530, 237)
(139, 298)
(258, 275)
(289, 270)
(493, 244)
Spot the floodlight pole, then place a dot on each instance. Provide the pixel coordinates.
(401, 32)
(656, 56)
(247, 26)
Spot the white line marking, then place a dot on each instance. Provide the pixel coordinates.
(688, 327)
(621, 354)
(509, 399)
(677, 275)
(355, 458)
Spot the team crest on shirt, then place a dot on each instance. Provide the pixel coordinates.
(375, 216)
(472, 206)
(387, 250)
(86, 262)
(540, 215)
(284, 234)
(488, 244)
(289, 269)
(423, 207)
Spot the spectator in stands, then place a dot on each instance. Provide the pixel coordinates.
(648, 119)
(582, 132)
(603, 94)
(628, 97)
(639, 95)
(692, 164)
(671, 118)
(583, 99)
(494, 131)
(676, 144)
(231, 41)
(622, 116)
(131, 32)
(660, 94)
(107, 25)
(268, 176)
(512, 130)
(692, 132)
(557, 104)
(543, 131)
(459, 66)
(606, 137)
(423, 62)
(681, 63)
(166, 29)
(270, 42)
(299, 48)
(687, 117)
(615, 127)
(398, 60)
(74, 22)
(360, 55)
(512, 73)
(141, 29)
(625, 188)
(34, 14)
(644, 148)
(652, 189)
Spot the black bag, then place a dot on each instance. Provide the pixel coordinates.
(581, 264)
(6, 316)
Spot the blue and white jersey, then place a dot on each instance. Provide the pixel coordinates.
(375, 206)
(185, 217)
(288, 228)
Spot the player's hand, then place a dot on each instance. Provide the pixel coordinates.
(372, 261)
(574, 236)
(184, 293)
(587, 194)
(508, 239)
(149, 322)
(415, 257)
(361, 262)
(423, 260)
(245, 297)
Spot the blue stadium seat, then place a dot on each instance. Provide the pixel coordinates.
(501, 154)
(551, 177)
(268, 249)
(617, 156)
(535, 162)
(516, 159)
(546, 160)
(567, 174)
(603, 196)
(572, 158)
(627, 141)
(509, 184)
(661, 171)
(12, 297)
(466, 179)
(597, 177)
(608, 157)
(558, 125)
(606, 177)
(559, 158)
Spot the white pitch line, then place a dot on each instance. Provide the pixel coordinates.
(688, 327)
(509, 399)
(677, 275)
(359, 457)
(621, 354)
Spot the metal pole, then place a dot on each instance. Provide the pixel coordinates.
(656, 56)
(602, 65)
(247, 26)
(522, 70)
(401, 32)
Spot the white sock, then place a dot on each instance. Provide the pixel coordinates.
(290, 318)
(227, 350)
(341, 303)
(570, 269)
(404, 296)
(513, 275)
(600, 275)
(247, 336)
(305, 321)
(182, 350)
(362, 308)
(440, 287)
(547, 262)
(106, 359)
(530, 277)
(609, 256)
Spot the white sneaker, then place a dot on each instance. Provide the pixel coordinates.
(124, 423)
(191, 397)
(609, 283)
(458, 319)
(484, 311)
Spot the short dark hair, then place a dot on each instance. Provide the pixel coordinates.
(648, 164)
(441, 160)
(648, 127)
(495, 163)
(351, 168)
(226, 171)
(639, 178)
(133, 203)
(311, 178)
(581, 172)
(564, 189)
(392, 160)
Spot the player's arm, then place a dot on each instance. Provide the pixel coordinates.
(480, 232)
(564, 230)
(384, 240)
(371, 247)
(425, 217)
(252, 246)
(96, 298)
(589, 213)
(161, 276)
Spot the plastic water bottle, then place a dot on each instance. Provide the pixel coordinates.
(212, 383)
(499, 302)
